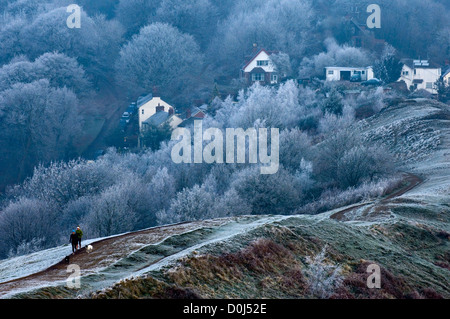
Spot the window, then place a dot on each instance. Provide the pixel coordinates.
(274, 78)
(429, 85)
(415, 71)
(405, 73)
(331, 72)
(142, 111)
(363, 72)
(258, 77)
(262, 62)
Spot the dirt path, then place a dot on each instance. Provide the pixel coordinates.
(411, 180)
(105, 253)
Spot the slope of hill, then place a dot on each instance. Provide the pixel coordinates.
(304, 256)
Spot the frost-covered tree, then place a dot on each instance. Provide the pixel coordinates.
(195, 17)
(59, 69)
(331, 123)
(335, 55)
(134, 14)
(344, 160)
(295, 145)
(190, 204)
(323, 277)
(275, 30)
(268, 194)
(95, 44)
(388, 68)
(363, 163)
(114, 211)
(10, 29)
(160, 55)
(230, 204)
(278, 108)
(282, 63)
(160, 191)
(63, 182)
(333, 102)
(25, 222)
(38, 124)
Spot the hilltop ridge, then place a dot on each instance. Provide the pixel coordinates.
(406, 233)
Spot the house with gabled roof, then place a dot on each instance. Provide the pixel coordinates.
(258, 67)
(191, 114)
(150, 105)
(446, 76)
(420, 74)
(153, 111)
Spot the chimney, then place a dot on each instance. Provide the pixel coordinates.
(170, 111)
(155, 91)
(160, 108)
(255, 48)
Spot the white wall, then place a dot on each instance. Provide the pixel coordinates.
(261, 56)
(447, 79)
(336, 76)
(149, 108)
(428, 75)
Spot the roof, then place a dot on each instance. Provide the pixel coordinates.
(157, 119)
(419, 64)
(195, 112)
(144, 99)
(348, 67)
(446, 72)
(252, 57)
(257, 70)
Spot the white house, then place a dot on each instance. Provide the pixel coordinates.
(153, 111)
(148, 107)
(446, 77)
(420, 74)
(340, 73)
(259, 68)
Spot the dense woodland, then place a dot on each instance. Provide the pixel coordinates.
(54, 79)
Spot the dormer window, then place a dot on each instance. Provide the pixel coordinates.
(262, 62)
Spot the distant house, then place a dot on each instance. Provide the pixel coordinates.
(150, 105)
(420, 74)
(361, 36)
(446, 77)
(192, 113)
(153, 111)
(259, 68)
(339, 73)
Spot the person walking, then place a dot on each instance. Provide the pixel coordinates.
(79, 233)
(73, 240)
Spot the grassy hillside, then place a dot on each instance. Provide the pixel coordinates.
(303, 256)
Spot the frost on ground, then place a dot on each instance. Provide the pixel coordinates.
(407, 234)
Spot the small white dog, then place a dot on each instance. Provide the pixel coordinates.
(89, 248)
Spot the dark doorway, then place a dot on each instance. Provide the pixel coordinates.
(345, 75)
